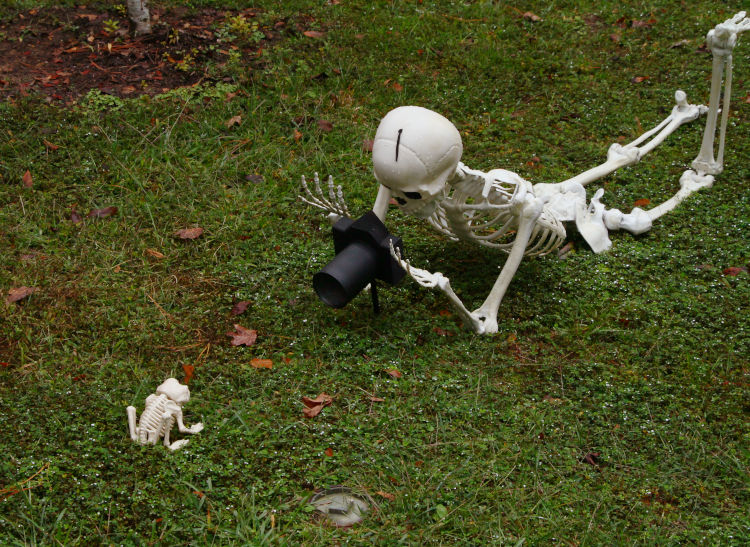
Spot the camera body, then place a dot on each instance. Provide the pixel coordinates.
(363, 254)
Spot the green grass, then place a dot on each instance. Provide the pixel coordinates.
(639, 355)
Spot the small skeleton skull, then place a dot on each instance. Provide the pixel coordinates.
(163, 409)
(414, 153)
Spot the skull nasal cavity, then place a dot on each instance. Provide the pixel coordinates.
(401, 201)
(413, 195)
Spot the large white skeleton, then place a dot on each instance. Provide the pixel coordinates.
(162, 410)
(416, 158)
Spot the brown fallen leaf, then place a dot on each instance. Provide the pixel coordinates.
(643, 23)
(367, 145)
(397, 87)
(329, 452)
(615, 37)
(314, 34)
(243, 336)
(376, 399)
(28, 182)
(733, 271)
(261, 363)
(386, 495)
(189, 369)
(529, 16)
(49, 145)
(325, 125)
(189, 233)
(154, 253)
(639, 79)
(394, 373)
(297, 135)
(641, 202)
(75, 217)
(102, 213)
(591, 458)
(443, 332)
(234, 120)
(444, 313)
(19, 293)
(314, 406)
(240, 307)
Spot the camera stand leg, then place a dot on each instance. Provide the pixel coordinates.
(374, 295)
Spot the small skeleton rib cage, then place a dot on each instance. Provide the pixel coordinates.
(416, 159)
(163, 409)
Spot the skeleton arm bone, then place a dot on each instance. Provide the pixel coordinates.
(431, 280)
(486, 314)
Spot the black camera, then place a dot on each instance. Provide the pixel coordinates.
(363, 255)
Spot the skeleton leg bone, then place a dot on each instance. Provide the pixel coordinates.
(721, 40)
(132, 422)
(620, 156)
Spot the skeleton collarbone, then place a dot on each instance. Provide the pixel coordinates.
(486, 208)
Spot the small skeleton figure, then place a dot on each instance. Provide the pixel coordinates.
(416, 159)
(163, 408)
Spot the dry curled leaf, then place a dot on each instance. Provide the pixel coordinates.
(19, 293)
(189, 369)
(154, 253)
(28, 182)
(397, 87)
(367, 145)
(376, 399)
(102, 213)
(733, 271)
(529, 16)
(591, 458)
(189, 233)
(234, 120)
(325, 125)
(443, 332)
(329, 452)
(240, 307)
(314, 34)
(314, 406)
(49, 145)
(261, 363)
(394, 373)
(642, 202)
(243, 336)
(297, 135)
(639, 79)
(386, 495)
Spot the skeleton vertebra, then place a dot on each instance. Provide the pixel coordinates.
(162, 410)
(416, 155)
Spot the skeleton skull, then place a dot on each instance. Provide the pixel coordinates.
(415, 152)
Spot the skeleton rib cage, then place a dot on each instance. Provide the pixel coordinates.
(490, 221)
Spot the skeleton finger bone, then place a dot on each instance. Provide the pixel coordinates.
(334, 203)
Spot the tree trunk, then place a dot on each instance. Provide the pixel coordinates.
(139, 16)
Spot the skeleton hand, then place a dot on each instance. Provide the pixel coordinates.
(334, 203)
(195, 428)
(423, 277)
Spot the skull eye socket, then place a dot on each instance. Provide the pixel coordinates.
(413, 195)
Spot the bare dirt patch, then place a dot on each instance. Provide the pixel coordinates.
(62, 53)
